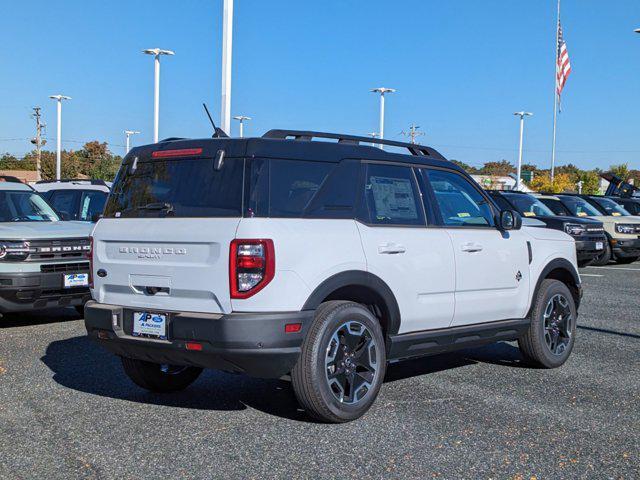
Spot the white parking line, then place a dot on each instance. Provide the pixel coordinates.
(617, 268)
(590, 275)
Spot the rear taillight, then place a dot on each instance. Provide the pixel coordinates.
(252, 265)
(90, 254)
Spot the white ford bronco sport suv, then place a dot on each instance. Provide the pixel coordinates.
(320, 260)
(44, 262)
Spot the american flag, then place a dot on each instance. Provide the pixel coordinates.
(564, 66)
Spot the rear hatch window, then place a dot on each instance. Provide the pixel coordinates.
(177, 188)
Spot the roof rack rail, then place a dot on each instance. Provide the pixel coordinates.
(69, 180)
(303, 135)
(10, 179)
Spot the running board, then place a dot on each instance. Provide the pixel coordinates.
(431, 342)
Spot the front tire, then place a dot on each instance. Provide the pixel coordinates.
(159, 378)
(342, 363)
(551, 335)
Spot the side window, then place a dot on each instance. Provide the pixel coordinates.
(459, 202)
(92, 203)
(301, 189)
(502, 203)
(65, 201)
(391, 196)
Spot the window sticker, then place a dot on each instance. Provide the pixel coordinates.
(529, 214)
(616, 214)
(464, 214)
(582, 214)
(393, 198)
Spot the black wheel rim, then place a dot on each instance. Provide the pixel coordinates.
(558, 324)
(172, 369)
(351, 362)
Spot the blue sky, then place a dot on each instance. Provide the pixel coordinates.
(461, 69)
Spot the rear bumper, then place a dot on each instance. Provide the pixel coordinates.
(20, 292)
(251, 343)
(626, 248)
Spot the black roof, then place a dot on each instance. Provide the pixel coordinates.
(300, 145)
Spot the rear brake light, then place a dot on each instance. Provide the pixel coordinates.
(252, 265)
(90, 254)
(193, 346)
(183, 152)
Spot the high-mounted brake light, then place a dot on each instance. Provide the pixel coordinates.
(183, 152)
(252, 265)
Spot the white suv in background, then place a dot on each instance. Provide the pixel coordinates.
(319, 261)
(81, 200)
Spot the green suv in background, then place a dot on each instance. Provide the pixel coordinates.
(44, 262)
(621, 228)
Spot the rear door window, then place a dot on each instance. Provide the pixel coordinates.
(91, 204)
(301, 189)
(391, 196)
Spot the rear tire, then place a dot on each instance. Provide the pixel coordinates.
(159, 378)
(626, 260)
(342, 363)
(551, 335)
(80, 310)
(605, 257)
(585, 263)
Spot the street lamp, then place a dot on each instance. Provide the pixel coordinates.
(519, 171)
(241, 119)
(382, 91)
(59, 99)
(637, 30)
(156, 52)
(227, 41)
(128, 133)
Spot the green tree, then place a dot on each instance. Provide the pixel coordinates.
(466, 167)
(621, 170)
(590, 182)
(501, 168)
(561, 183)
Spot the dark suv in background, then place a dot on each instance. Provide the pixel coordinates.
(588, 233)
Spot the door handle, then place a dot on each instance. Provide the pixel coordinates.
(391, 248)
(471, 247)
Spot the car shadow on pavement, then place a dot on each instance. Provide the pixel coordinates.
(82, 365)
(38, 317)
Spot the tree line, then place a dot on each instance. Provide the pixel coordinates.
(566, 177)
(93, 160)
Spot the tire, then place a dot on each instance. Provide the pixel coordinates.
(605, 257)
(554, 299)
(80, 310)
(159, 378)
(626, 260)
(585, 263)
(342, 363)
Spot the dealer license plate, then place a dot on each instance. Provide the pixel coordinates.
(76, 280)
(148, 324)
(599, 245)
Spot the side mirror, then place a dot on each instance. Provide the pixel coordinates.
(509, 220)
(95, 217)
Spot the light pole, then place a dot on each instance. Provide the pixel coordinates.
(156, 52)
(637, 30)
(59, 99)
(128, 133)
(227, 37)
(382, 91)
(519, 170)
(241, 119)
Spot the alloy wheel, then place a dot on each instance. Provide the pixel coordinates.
(558, 324)
(351, 362)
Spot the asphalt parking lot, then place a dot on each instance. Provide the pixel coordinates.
(68, 411)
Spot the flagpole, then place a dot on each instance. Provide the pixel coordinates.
(555, 100)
